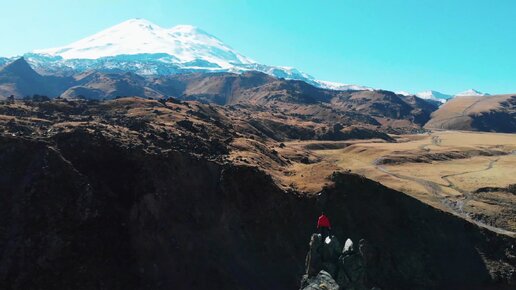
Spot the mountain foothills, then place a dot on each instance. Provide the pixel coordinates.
(258, 90)
(145, 157)
(371, 108)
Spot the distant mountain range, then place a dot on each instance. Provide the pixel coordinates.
(144, 48)
(441, 97)
(434, 95)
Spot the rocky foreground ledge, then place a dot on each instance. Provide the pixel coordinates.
(328, 266)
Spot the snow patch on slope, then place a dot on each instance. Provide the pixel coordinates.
(404, 93)
(434, 95)
(343, 87)
(471, 92)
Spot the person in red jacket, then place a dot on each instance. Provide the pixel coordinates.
(323, 224)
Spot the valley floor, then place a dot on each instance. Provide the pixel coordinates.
(467, 173)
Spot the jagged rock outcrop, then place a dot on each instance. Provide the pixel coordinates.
(351, 274)
(314, 258)
(327, 263)
(323, 255)
(322, 281)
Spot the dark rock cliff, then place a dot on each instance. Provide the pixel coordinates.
(86, 211)
(414, 246)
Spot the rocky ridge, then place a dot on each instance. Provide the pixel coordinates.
(328, 266)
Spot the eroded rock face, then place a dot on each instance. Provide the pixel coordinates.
(125, 219)
(314, 258)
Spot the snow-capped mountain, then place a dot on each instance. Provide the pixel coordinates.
(471, 92)
(142, 47)
(343, 87)
(434, 95)
(441, 97)
(428, 95)
(404, 93)
(3, 61)
(187, 44)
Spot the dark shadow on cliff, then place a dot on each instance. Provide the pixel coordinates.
(91, 212)
(415, 245)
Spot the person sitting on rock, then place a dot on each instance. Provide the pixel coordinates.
(323, 224)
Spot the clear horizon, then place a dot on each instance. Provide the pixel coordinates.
(395, 45)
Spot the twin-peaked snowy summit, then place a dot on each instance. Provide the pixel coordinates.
(140, 46)
(145, 48)
(186, 43)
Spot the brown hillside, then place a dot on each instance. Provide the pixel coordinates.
(19, 79)
(477, 113)
(256, 91)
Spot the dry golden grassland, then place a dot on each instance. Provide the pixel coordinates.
(443, 168)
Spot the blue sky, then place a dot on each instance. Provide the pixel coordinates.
(409, 45)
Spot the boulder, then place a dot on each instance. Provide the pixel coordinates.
(330, 251)
(351, 273)
(328, 264)
(313, 262)
(323, 281)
